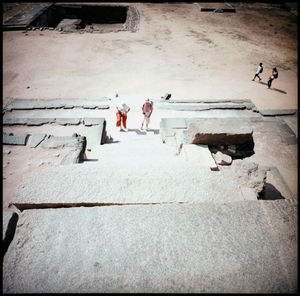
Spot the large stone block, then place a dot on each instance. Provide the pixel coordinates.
(97, 133)
(59, 141)
(219, 131)
(10, 139)
(37, 139)
(241, 247)
(129, 183)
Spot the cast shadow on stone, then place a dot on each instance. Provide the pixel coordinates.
(270, 193)
(241, 150)
(137, 131)
(9, 234)
(272, 88)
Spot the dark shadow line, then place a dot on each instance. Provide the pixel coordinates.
(270, 193)
(276, 89)
(137, 131)
(91, 159)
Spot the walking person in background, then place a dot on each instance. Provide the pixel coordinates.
(147, 109)
(274, 76)
(259, 70)
(122, 110)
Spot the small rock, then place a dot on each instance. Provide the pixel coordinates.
(41, 163)
(41, 29)
(231, 149)
(28, 87)
(7, 151)
(221, 158)
(60, 29)
(74, 135)
(89, 150)
(57, 154)
(29, 29)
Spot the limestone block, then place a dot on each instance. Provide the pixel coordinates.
(221, 158)
(37, 139)
(199, 155)
(10, 139)
(112, 183)
(219, 131)
(39, 121)
(14, 121)
(93, 121)
(59, 141)
(68, 121)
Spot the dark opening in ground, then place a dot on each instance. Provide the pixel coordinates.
(70, 18)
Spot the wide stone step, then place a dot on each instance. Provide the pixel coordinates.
(242, 247)
(123, 182)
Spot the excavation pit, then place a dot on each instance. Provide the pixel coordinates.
(88, 18)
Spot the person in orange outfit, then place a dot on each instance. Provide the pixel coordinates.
(122, 110)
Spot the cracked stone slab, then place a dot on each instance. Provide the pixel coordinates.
(241, 247)
(59, 141)
(37, 139)
(15, 121)
(278, 112)
(93, 121)
(124, 184)
(10, 139)
(39, 121)
(68, 121)
(218, 131)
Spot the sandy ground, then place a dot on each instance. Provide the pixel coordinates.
(177, 49)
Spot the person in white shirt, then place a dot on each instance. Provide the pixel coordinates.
(259, 70)
(122, 110)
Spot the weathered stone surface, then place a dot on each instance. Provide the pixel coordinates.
(37, 139)
(93, 121)
(199, 155)
(241, 247)
(14, 121)
(219, 131)
(250, 174)
(97, 184)
(76, 153)
(56, 142)
(10, 139)
(96, 135)
(68, 121)
(275, 112)
(221, 158)
(39, 121)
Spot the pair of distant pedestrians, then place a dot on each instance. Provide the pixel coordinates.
(123, 109)
(271, 78)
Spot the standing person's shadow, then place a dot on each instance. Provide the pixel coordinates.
(272, 88)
